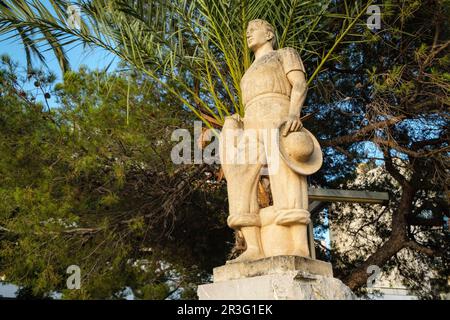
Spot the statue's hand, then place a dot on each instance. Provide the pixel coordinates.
(293, 123)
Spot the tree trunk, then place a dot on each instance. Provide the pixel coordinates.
(398, 240)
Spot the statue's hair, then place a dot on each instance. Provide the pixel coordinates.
(268, 27)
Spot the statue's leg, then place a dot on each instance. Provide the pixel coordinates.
(242, 181)
(290, 200)
(299, 231)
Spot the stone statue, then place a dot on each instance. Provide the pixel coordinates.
(273, 92)
(270, 140)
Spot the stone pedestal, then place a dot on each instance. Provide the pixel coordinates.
(275, 278)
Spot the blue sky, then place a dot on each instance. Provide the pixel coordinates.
(94, 58)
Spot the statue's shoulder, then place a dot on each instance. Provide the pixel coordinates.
(288, 52)
(290, 58)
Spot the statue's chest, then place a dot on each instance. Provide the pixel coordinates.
(266, 67)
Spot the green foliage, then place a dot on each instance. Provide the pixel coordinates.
(90, 184)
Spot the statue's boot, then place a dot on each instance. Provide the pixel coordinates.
(299, 235)
(254, 250)
(297, 220)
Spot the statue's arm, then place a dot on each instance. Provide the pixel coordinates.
(298, 93)
(298, 96)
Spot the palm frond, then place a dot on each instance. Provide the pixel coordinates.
(194, 48)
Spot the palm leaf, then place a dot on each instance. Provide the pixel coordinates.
(195, 49)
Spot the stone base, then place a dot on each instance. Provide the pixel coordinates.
(275, 278)
(272, 265)
(287, 286)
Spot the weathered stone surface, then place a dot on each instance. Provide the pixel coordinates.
(272, 265)
(271, 137)
(291, 285)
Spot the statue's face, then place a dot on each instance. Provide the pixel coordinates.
(257, 35)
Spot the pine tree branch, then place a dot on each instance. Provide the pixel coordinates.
(362, 133)
(391, 168)
(415, 154)
(421, 248)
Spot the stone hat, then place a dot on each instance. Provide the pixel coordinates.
(300, 150)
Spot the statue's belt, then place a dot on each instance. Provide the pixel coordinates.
(266, 96)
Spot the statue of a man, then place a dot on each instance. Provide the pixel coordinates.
(273, 92)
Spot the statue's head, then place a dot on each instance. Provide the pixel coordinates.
(259, 32)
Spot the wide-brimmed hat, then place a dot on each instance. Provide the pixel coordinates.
(301, 150)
